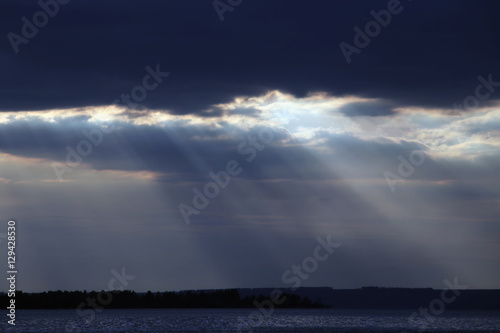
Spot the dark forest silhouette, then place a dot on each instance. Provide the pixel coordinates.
(227, 298)
(364, 298)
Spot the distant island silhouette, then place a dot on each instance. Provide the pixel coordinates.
(311, 297)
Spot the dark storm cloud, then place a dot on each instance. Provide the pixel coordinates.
(91, 52)
(179, 153)
(188, 152)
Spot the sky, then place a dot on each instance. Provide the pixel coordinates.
(222, 144)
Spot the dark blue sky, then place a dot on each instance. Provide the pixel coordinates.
(113, 115)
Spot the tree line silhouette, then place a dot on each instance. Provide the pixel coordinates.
(227, 298)
(364, 298)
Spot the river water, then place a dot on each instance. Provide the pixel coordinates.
(248, 320)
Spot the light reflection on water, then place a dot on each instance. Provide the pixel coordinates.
(228, 320)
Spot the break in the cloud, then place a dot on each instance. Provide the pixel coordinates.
(323, 172)
(396, 154)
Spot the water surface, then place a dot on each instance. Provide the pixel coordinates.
(228, 320)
